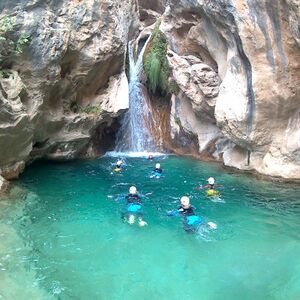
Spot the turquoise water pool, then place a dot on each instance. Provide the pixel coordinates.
(62, 236)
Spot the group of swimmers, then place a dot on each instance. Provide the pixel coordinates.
(134, 204)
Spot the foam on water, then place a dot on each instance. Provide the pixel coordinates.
(143, 154)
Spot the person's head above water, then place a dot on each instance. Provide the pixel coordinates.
(150, 156)
(185, 201)
(132, 190)
(119, 162)
(211, 180)
(157, 166)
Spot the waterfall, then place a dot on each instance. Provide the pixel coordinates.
(134, 134)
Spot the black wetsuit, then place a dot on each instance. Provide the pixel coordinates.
(186, 211)
(133, 198)
(157, 170)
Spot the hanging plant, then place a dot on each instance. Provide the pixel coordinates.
(156, 63)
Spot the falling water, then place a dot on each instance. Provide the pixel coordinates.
(134, 134)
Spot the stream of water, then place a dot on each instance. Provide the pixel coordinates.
(134, 134)
(62, 236)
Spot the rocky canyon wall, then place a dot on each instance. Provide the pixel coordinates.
(60, 99)
(236, 64)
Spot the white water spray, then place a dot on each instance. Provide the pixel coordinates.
(134, 134)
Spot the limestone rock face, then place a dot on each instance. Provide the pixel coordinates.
(16, 132)
(237, 67)
(3, 184)
(69, 85)
(194, 105)
(150, 11)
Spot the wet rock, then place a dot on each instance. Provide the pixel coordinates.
(69, 82)
(3, 184)
(250, 49)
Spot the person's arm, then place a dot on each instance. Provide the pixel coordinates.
(175, 212)
(201, 187)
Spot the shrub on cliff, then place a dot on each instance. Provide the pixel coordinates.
(11, 43)
(155, 62)
(92, 109)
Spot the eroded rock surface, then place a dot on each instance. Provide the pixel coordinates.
(237, 67)
(3, 184)
(69, 85)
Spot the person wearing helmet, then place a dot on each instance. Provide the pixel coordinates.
(211, 184)
(150, 157)
(134, 207)
(118, 166)
(133, 197)
(119, 163)
(191, 221)
(157, 172)
(186, 210)
(157, 169)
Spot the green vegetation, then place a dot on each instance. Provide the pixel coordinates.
(91, 109)
(156, 65)
(177, 121)
(22, 42)
(174, 88)
(6, 25)
(155, 62)
(10, 44)
(4, 73)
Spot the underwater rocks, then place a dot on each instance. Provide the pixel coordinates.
(70, 82)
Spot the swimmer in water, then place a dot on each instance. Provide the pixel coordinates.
(134, 207)
(211, 187)
(118, 167)
(150, 157)
(190, 220)
(156, 173)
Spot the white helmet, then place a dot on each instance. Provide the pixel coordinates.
(157, 166)
(185, 200)
(132, 190)
(211, 180)
(119, 162)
